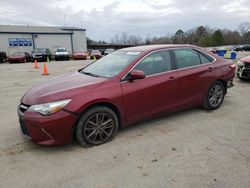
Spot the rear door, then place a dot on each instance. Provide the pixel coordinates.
(153, 94)
(195, 72)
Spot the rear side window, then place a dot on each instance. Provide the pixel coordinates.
(156, 62)
(187, 58)
(205, 58)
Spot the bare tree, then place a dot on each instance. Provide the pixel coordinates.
(124, 38)
(244, 27)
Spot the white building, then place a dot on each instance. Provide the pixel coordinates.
(15, 38)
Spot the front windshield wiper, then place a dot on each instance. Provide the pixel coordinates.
(90, 74)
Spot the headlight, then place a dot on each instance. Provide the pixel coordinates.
(240, 63)
(48, 108)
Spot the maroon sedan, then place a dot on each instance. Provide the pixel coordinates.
(95, 53)
(127, 86)
(80, 55)
(17, 57)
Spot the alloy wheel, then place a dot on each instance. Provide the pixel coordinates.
(216, 95)
(98, 128)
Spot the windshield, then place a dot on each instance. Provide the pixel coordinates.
(95, 51)
(39, 50)
(109, 50)
(111, 65)
(61, 50)
(18, 53)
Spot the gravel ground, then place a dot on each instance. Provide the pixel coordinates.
(191, 148)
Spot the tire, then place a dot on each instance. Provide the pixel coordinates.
(97, 126)
(215, 96)
(3, 60)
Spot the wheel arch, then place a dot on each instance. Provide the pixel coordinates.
(224, 83)
(92, 105)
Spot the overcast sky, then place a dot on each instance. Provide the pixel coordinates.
(103, 19)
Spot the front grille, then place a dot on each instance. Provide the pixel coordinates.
(247, 65)
(23, 127)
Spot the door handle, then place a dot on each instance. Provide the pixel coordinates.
(210, 69)
(171, 78)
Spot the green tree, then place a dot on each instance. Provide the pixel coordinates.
(217, 38)
(179, 37)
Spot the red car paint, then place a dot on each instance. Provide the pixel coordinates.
(95, 53)
(80, 55)
(134, 101)
(19, 57)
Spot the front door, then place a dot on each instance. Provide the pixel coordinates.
(153, 94)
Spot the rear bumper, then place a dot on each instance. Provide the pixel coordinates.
(55, 129)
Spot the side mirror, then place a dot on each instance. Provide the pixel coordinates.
(136, 74)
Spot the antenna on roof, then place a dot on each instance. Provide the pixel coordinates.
(64, 20)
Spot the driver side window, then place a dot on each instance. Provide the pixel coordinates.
(155, 63)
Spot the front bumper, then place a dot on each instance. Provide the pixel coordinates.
(16, 60)
(243, 72)
(55, 129)
(61, 56)
(39, 57)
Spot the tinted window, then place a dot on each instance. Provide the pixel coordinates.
(187, 58)
(205, 58)
(155, 63)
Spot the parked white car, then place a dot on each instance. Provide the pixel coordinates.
(61, 54)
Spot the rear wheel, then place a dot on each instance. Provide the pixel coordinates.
(215, 96)
(97, 126)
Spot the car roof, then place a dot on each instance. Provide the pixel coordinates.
(145, 48)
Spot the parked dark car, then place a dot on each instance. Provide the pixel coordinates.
(41, 54)
(95, 53)
(3, 57)
(127, 86)
(19, 57)
(242, 48)
(61, 54)
(243, 68)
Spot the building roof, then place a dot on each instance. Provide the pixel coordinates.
(38, 29)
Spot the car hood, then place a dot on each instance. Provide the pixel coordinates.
(61, 87)
(245, 59)
(15, 57)
(37, 53)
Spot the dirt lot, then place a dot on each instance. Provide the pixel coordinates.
(192, 148)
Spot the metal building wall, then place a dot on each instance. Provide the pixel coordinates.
(4, 43)
(79, 40)
(53, 41)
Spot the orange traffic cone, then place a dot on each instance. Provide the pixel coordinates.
(36, 64)
(45, 70)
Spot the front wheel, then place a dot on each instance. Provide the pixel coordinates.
(97, 126)
(215, 96)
